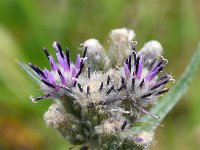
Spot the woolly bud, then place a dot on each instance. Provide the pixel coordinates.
(144, 139)
(65, 123)
(55, 116)
(120, 42)
(112, 125)
(121, 36)
(96, 56)
(153, 49)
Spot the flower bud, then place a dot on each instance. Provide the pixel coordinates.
(120, 43)
(97, 59)
(152, 49)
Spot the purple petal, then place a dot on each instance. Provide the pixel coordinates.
(74, 72)
(63, 61)
(38, 71)
(49, 76)
(58, 48)
(126, 70)
(78, 61)
(140, 67)
(154, 71)
(159, 84)
(53, 63)
(62, 79)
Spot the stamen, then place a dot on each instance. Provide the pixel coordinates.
(112, 88)
(146, 95)
(129, 63)
(101, 87)
(133, 44)
(85, 52)
(81, 68)
(48, 84)
(163, 91)
(159, 84)
(123, 80)
(151, 65)
(68, 57)
(133, 84)
(120, 88)
(124, 125)
(144, 111)
(80, 88)
(108, 80)
(88, 90)
(141, 83)
(59, 72)
(46, 52)
(34, 100)
(88, 72)
(137, 64)
(165, 76)
(58, 48)
(123, 85)
(65, 88)
(37, 70)
(126, 60)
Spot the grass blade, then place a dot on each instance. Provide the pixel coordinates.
(30, 72)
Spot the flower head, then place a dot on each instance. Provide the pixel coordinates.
(141, 81)
(105, 98)
(62, 76)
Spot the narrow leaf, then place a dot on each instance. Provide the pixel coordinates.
(30, 72)
(164, 106)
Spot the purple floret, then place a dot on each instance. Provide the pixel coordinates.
(62, 75)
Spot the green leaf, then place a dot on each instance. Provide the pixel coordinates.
(165, 105)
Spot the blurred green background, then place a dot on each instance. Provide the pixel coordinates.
(28, 25)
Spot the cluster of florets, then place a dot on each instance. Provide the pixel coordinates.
(104, 92)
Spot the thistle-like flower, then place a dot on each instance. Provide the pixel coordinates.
(100, 102)
(63, 75)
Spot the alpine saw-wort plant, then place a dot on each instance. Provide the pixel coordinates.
(100, 99)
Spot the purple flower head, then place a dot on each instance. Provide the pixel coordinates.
(62, 76)
(103, 101)
(142, 80)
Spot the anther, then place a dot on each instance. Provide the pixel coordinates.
(129, 63)
(68, 57)
(88, 90)
(146, 95)
(133, 84)
(124, 125)
(163, 91)
(141, 83)
(59, 72)
(48, 84)
(112, 88)
(89, 72)
(108, 80)
(101, 87)
(85, 52)
(58, 47)
(80, 88)
(46, 52)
